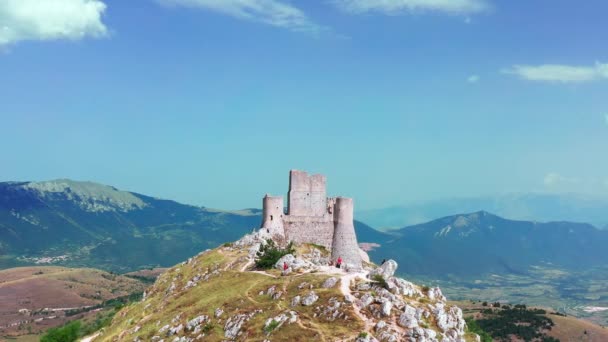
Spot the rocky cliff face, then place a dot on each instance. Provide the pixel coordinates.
(217, 295)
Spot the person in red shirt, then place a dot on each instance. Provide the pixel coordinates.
(285, 267)
(339, 263)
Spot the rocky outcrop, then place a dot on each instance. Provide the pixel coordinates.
(386, 270)
(411, 309)
(310, 298)
(329, 283)
(276, 322)
(295, 264)
(232, 328)
(392, 309)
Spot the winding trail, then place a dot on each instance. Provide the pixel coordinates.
(345, 288)
(89, 338)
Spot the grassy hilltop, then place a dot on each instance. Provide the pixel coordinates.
(211, 294)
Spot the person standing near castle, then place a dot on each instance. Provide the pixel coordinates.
(339, 263)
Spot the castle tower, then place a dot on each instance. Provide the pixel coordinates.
(272, 215)
(307, 194)
(298, 198)
(344, 243)
(318, 195)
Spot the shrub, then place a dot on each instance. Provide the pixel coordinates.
(207, 328)
(425, 289)
(66, 333)
(270, 253)
(270, 327)
(363, 334)
(473, 327)
(380, 281)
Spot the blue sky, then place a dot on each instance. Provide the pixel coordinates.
(211, 102)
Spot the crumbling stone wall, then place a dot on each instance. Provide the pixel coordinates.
(318, 230)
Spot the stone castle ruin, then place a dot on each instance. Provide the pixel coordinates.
(312, 217)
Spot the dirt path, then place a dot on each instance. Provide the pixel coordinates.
(345, 288)
(89, 338)
(247, 264)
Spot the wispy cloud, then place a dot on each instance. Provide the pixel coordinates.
(49, 20)
(270, 12)
(558, 73)
(394, 7)
(554, 179)
(473, 79)
(606, 118)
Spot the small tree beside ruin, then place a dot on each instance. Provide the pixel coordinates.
(269, 253)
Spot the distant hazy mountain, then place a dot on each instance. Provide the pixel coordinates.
(98, 225)
(482, 243)
(530, 207)
(89, 224)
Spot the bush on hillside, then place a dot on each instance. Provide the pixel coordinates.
(270, 253)
(378, 279)
(67, 333)
(473, 327)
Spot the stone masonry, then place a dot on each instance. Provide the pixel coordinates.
(312, 217)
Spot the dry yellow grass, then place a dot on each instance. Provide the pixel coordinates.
(37, 288)
(234, 292)
(566, 329)
(569, 328)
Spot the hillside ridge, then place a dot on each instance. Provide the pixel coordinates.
(219, 295)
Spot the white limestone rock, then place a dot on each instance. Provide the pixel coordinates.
(388, 336)
(329, 283)
(407, 321)
(315, 257)
(449, 321)
(386, 270)
(195, 322)
(232, 328)
(435, 294)
(287, 316)
(366, 338)
(366, 300)
(403, 287)
(295, 264)
(310, 298)
(176, 330)
(296, 301)
(387, 305)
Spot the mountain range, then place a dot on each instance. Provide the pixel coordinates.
(85, 224)
(523, 206)
(483, 243)
(88, 224)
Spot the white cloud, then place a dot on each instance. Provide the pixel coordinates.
(560, 73)
(606, 118)
(473, 79)
(554, 179)
(393, 7)
(50, 19)
(271, 12)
